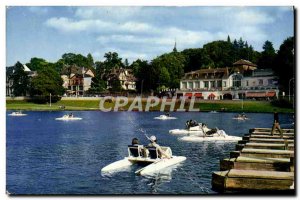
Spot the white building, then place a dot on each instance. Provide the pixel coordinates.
(76, 80)
(125, 76)
(243, 80)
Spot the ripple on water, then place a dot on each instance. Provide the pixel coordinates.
(46, 156)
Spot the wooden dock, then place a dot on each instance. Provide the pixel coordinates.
(262, 162)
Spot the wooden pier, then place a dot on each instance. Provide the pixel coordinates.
(261, 163)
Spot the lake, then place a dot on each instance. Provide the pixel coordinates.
(46, 156)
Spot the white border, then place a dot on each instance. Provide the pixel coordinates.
(4, 3)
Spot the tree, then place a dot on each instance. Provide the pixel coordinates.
(90, 60)
(267, 56)
(99, 81)
(37, 64)
(126, 63)
(47, 81)
(174, 64)
(20, 80)
(220, 52)
(196, 59)
(228, 39)
(78, 59)
(112, 60)
(284, 65)
(145, 73)
(115, 85)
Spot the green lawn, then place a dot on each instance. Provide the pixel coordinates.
(229, 106)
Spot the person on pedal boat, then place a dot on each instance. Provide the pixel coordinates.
(154, 144)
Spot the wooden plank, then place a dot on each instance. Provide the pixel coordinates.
(270, 136)
(246, 163)
(254, 145)
(268, 140)
(269, 133)
(269, 129)
(252, 180)
(266, 153)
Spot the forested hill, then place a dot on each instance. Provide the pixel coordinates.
(166, 70)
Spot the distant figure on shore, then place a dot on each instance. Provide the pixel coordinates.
(276, 124)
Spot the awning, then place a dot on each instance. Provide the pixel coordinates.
(198, 95)
(255, 94)
(271, 94)
(212, 95)
(188, 94)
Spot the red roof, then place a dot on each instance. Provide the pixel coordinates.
(188, 94)
(211, 95)
(255, 94)
(271, 94)
(198, 94)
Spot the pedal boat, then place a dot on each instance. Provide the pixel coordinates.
(198, 130)
(220, 135)
(164, 117)
(68, 118)
(154, 164)
(240, 118)
(17, 114)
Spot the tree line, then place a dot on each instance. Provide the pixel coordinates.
(163, 72)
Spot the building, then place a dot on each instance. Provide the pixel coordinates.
(9, 81)
(241, 81)
(125, 76)
(76, 80)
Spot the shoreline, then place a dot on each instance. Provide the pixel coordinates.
(205, 106)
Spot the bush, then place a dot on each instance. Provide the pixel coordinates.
(282, 103)
(44, 99)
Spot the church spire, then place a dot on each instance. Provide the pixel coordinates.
(175, 49)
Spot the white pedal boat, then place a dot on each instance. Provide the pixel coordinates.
(17, 114)
(219, 136)
(164, 117)
(68, 118)
(154, 163)
(198, 130)
(241, 117)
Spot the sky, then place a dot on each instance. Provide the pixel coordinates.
(136, 32)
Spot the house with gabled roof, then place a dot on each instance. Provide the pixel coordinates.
(125, 76)
(76, 80)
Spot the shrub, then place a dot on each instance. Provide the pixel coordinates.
(282, 103)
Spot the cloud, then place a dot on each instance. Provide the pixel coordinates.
(97, 25)
(150, 31)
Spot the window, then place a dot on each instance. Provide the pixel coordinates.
(224, 83)
(260, 81)
(236, 79)
(212, 84)
(219, 83)
(247, 83)
(184, 85)
(206, 84)
(270, 81)
(196, 84)
(190, 85)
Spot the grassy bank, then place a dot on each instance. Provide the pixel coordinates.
(228, 106)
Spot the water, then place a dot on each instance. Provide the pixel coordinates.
(46, 156)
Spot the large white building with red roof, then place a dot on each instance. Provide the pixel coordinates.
(241, 81)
